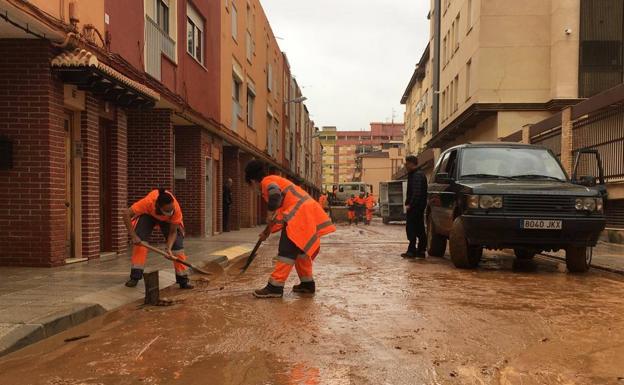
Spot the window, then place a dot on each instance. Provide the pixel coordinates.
(452, 40)
(444, 50)
(236, 99)
(456, 94)
(162, 15)
(194, 33)
(468, 70)
(469, 17)
(456, 33)
(270, 77)
(443, 105)
(251, 100)
(234, 22)
(249, 46)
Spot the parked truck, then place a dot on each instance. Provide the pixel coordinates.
(392, 200)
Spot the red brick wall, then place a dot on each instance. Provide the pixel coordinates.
(246, 199)
(32, 216)
(190, 191)
(90, 177)
(119, 181)
(219, 186)
(150, 152)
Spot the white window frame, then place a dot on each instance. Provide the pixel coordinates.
(197, 24)
(251, 104)
(234, 22)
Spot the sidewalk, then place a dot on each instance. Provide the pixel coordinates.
(607, 256)
(36, 303)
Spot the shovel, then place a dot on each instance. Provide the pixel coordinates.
(208, 268)
(252, 256)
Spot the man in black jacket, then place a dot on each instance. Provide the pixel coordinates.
(415, 204)
(227, 203)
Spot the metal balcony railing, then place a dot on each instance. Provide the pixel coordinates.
(157, 43)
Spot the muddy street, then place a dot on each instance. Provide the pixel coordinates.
(376, 319)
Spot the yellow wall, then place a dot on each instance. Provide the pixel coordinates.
(89, 11)
(253, 72)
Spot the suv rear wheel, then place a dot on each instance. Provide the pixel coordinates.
(436, 243)
(463, 255)
(524, 253)
(578, 259)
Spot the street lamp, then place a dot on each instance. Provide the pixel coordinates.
(300, 99)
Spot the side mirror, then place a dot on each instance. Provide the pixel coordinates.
(443, 178)
(586, 180)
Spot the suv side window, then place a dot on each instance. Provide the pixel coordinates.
(451, 165)
(443, 164)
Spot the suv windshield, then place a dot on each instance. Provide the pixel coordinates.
(510, 162)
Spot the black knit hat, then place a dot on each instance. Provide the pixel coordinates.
(255, 171)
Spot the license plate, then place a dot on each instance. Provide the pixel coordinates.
(541, 224)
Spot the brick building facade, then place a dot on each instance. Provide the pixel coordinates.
(89, 125)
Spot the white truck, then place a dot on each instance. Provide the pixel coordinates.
(392, 200)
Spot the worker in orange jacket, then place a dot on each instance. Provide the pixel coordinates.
(351, 209)
(159, 208)
(302, 222)
(360, 208)
(370, 206)
(324, 201)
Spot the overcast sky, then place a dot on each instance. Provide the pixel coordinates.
(353, 58)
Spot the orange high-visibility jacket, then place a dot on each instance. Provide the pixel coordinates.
(360, 201)
(147, 206)
(306, 221)
(323, 201)
(350, 204)
(370, 202)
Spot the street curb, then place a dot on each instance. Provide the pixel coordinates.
(94, 305)
(47, 326)
(597, 267)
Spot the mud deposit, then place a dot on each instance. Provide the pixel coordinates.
(376, 319)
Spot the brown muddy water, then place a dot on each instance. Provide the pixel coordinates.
(376, 319)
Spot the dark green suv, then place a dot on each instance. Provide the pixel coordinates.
(508, 195)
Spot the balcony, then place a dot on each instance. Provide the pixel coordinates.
(157, 43)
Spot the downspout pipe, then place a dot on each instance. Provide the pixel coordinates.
(437, 21)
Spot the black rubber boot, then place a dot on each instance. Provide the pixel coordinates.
(183, 281)
(135, 276)
(269, 291)
(305, 288)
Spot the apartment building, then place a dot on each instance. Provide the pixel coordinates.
(418, 101)
(380, 166)
(102, 101)
(497, 66)
(341, 148)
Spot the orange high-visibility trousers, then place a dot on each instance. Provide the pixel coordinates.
(143, 226)
(369, 215)
(351, 214)
(303, 265)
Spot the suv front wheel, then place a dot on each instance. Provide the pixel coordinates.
(463, 255)
(578, 259)
(436, 243)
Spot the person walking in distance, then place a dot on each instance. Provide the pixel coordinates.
(160, 208)
(360, 208)
(351, 209)
(415, 204)
(227, 203)
(302, 222)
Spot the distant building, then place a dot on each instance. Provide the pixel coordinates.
(341, 148)
(379, 166)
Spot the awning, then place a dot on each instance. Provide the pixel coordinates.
(82, 68)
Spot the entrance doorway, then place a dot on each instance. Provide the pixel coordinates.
(68, 124)
(208, 198)
(105, 188)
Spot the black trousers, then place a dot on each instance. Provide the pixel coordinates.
(226, 218)
(415, 229)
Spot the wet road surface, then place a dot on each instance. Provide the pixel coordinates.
(376, 319)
